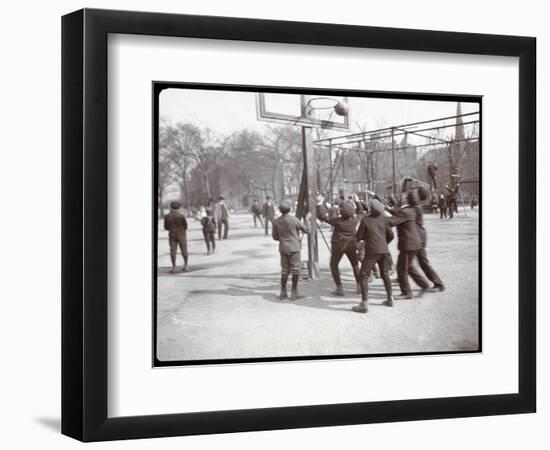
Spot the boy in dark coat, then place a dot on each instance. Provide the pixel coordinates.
(409, 244)
(343, 242)
(286, 230)
(452, 197)
(375, 231)
(176, 225)
(209, 231)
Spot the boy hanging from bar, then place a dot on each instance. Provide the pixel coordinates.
(375, 230)
(286, 230)
(343, 242)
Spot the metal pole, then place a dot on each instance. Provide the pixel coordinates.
(393, 160)
(331, 180)
(311, 188)
(344, 170)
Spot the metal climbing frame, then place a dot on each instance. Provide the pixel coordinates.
(428, 133)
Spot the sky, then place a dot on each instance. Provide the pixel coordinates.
(228, 111)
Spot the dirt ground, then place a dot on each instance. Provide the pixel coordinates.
(227, 305)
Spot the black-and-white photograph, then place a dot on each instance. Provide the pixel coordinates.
(312, 224)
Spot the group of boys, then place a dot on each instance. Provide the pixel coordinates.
(370, 225)
(354, 223)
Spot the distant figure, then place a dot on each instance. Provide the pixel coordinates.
(268, 211)
(442, 204)
(256, 213)
(375, 231)
(176, 225)
(221, 216)
(473, 202)
(209, 231)
(432, 170)
(286, 230)
(451, 200)
(434, 204)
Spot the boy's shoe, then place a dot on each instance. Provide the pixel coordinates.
(295, 295)
(339, 292)
(360, 308)
(404, 297)
(388, 302)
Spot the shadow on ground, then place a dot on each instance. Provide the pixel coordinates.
(52, 423)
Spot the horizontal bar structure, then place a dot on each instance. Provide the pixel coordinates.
(398, 130)
(362, 150)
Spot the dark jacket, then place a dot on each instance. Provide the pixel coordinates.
(442, 202)
(407, 229)
(255, 209)
(175, 223)
(453, 192)
(375, 230)
(286, 230)
(344, 228)
(268, 211)
(208, 224)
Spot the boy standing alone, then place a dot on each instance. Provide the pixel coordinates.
(209, 231)
(286, 230)
(176, 225)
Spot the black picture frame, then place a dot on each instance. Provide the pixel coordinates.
(84, 224)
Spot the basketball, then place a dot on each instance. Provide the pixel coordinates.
(341, 108)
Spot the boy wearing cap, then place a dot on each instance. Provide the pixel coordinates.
(176, 225)
(375, 230)
(286, 230)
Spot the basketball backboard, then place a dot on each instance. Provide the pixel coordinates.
(324, 111)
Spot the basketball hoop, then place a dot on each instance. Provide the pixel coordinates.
(339, 107)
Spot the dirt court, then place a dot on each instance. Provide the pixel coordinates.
(227, 305)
